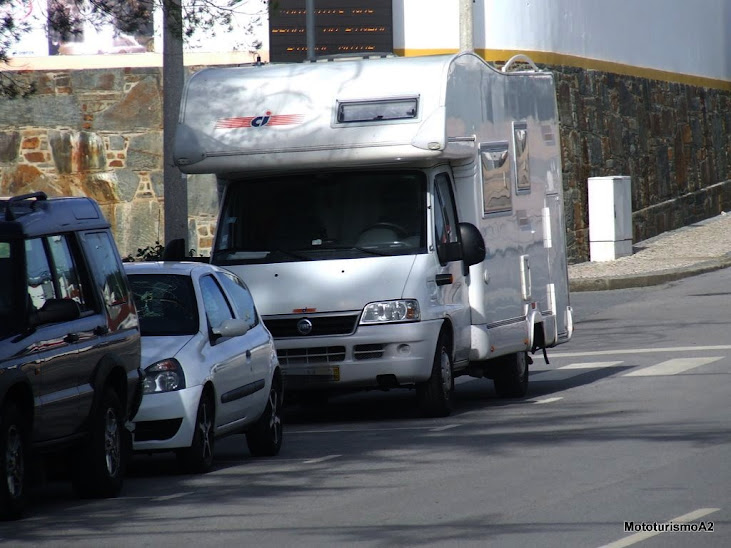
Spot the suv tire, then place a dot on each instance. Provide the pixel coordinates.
(100, 470)
(13, 462)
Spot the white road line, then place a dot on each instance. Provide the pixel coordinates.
(638, 537)
(547, 400)
(442, 428)
(571, 370)
(321, 459)
(590, 365)
(671, 367)
(640, 351)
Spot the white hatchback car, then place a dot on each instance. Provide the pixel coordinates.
(210, 364)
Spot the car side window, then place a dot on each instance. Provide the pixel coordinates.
(241, 297)
(216, 305)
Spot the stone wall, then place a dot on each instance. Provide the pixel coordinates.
(99, 133)
(673, 140)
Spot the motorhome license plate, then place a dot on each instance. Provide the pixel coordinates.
(331, 373)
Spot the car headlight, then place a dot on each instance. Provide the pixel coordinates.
(403, 310)
(163, 376)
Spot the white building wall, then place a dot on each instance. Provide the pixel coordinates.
(675, 36)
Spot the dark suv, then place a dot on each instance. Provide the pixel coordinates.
(69, 348)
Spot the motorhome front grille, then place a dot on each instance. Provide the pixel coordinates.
(368, 351)
(311, 326)
(323, 354)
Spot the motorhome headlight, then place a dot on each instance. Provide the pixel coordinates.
(403, 310)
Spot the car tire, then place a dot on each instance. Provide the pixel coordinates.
(99, 472)
(13, 463)
(265, 437)
(511, 379)
(198, 458)
(435, 395)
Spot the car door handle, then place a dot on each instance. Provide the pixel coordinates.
(100, 330)
(71, 338)
(248, 354)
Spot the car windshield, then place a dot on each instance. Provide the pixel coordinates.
(318, 216)
(165, 303)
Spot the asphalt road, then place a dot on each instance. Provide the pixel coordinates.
(628, 423)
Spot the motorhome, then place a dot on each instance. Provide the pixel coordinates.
(399, 220)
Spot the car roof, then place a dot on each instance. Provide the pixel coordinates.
(182, 268)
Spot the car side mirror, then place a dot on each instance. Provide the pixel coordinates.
(233, 327)
(473, 245)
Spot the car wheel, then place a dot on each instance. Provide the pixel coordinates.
(13, 460)
(100, 470)
(265, 437)
(435, 395)
(198, 458)
(511, 379)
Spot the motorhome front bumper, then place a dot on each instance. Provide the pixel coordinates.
(375, 356)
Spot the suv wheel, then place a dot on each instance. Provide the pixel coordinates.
(13, 455)
(100, 470)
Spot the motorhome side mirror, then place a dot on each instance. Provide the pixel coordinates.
(473, 244)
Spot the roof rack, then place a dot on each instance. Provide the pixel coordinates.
(353, 55)
(9, 215)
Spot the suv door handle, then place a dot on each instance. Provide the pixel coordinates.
(100, 330)
(71, 338)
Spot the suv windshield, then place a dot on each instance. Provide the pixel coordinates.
(316, 216)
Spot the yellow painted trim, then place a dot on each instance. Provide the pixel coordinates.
(561, 59)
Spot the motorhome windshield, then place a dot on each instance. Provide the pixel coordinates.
(338, 215)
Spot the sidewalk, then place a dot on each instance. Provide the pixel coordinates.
(691, 250)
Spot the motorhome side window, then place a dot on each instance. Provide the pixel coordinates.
(495, 169)
(445, 219)
(520, 142)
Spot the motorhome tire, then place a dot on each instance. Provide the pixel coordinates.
(198, 458)
(14, 461)
(511, 380)
(435, 395)
(99, 472)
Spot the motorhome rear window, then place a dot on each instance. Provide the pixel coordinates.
(378, 110)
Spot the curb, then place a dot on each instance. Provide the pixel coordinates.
(645, 280)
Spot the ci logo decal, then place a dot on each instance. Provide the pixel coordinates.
(268, 119)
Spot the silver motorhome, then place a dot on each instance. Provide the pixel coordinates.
(399, 220)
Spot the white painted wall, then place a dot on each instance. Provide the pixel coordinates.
(690, 37)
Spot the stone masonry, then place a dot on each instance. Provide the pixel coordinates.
(99, 133)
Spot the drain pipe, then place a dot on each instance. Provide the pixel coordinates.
(465, 25)
(310, 28)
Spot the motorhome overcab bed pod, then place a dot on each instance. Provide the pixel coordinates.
(359, 199)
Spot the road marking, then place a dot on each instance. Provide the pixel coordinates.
(170, 497)
(671, 367)
(638, 537)
(640, 351)
(321, 459)
(571, 370)
(442, 428)
(547, 400)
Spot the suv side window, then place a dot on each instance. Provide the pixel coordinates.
(445, 220)
(102, 255)
(38, 273)
(68, 273)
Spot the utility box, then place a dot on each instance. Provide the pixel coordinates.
(610, 218)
